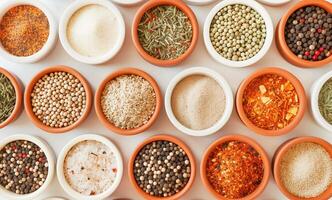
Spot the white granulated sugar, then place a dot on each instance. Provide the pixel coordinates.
(198, 102)
(93, 30)
(90, 167)
(306, 170)
(128, 101)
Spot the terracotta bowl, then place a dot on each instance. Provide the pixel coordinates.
(281, 152)
(154, 3)
(281, 41)
(252, 143)
(99, 110)
(163, 138)
(29, 89)
(300, 92)
(19, 95)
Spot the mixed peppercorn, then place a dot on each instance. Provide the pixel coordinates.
(270, 102)
(234, 169)
(162, 169)
(308, 33)
(23, 167)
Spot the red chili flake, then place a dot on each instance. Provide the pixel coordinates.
(307, 53)
(317, 53)
(270, 102)
(321, 49)
(115, 170)
(315, 57)
(234, 169)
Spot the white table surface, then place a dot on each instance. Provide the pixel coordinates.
(129, 57)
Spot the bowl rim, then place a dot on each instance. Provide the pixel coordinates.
(267, 42)
(162, 137)
(39, 75)
(199, 2)
(15, 81)
(252, 143)
(50, 42)
(222, 83)
(67, 15)
(273, 2)
(128, 2)
(115, 74)
(282, 149)
(59, 168)
(281, 41)
(315, 90)
(43, 145)
(155, 3)
(299, 90)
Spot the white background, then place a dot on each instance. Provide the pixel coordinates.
(128, 57)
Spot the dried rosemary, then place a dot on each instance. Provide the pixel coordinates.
(325, 101)
(7, 98)
(165, 32)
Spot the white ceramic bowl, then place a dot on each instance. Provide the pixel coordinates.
(51, 166)
(54, 198)
(48, 46)
(199, 2)
(222, 82)
(71, 9)
(267, 43)
(128, 2)
(315, 89)
(274, 2)
(62, 180)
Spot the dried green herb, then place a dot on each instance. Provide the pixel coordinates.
(325, 101)
(7, 98)
(165, 32)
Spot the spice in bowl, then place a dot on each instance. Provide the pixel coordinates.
(165, 32)
(7, 98)
(23, 167)
(128, 101)
(24, 30)
(58, 99)
(270, 102)
(325, 101)
(306, 170)
(234, 169)
(237, 32)
(162, 168)
(90, 167)
(198, 102)
(93, 30)
(308, 33)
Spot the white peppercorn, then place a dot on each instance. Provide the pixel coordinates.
(58, 99)
(237, 32)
